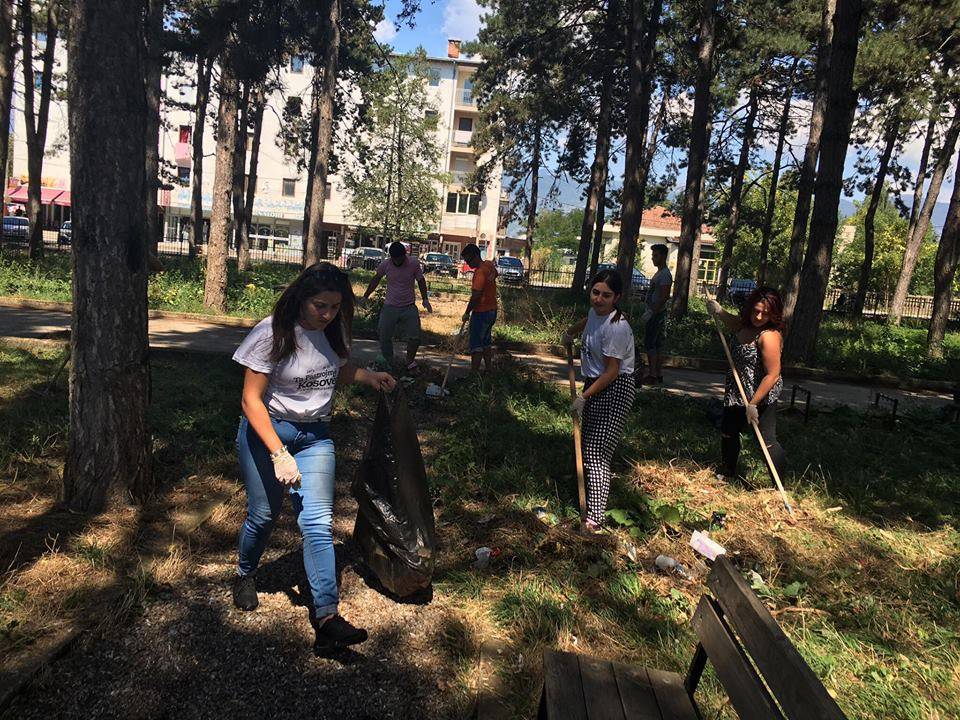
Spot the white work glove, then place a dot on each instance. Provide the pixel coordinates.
(713, 308)
(567, 340)
(753, 414)
(577, 405)
(285, 467)
(647, 314)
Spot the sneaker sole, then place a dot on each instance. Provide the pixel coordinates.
(323, 646)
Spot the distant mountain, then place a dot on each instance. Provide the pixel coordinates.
(848, 208)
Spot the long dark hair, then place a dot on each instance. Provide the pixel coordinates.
(611, 278)
(322, 277)
(774, 304)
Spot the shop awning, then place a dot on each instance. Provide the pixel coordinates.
(48, 196)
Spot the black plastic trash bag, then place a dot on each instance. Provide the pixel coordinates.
(395, 526)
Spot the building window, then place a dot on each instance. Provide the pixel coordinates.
(185, 133)
(434, 78)
(707, 272)
(463, 203)
(327, 191)
(465, 124)
(183, 175)
(429, 114)
(289, 187)
(296, 64)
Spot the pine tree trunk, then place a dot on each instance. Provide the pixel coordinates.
(808, 167)
(259, 103)
(153, 58)
(643, 42)
(911, 252)
(876, 194)
(239, 165)
(36, 122)
(204, 71)
(698, 235)
(932, 121)
(838, 117)
(651, 148)
(696, 162)
(534, 193)
(945, 273)
(598, 229)
(598, 173)
(316, 243)
(215, 289)
(314, 134)
(767, 229)
(8, 52)
(109, 441)
(736, 189)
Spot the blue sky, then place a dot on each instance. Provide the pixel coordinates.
(439, 20)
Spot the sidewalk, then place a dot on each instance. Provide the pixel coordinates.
(203, 336)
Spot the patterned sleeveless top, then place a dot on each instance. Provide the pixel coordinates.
(749, 364)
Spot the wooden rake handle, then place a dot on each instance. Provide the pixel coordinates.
(577, 442)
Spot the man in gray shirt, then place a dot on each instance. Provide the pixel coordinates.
(655, 316)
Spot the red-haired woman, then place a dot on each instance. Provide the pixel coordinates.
(756, 354)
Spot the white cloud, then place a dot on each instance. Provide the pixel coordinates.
(385, 31)
(461, 19)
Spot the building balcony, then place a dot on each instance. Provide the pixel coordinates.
(464, 98)
(462, 138)
(459, 221)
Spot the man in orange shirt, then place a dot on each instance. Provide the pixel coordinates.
(482, 308)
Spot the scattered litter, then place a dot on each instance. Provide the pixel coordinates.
(706, 546)
(756, 580)
(838, 508)
(718, 519)
(435, 391)
(545, 516)
(667, 564)
(486, 519)
(632, 552)
(483, 557)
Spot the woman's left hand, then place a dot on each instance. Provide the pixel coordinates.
(382, 381)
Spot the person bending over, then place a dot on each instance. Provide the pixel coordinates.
(607, 366)
(756, 351)
(294, 360)
(400, 308)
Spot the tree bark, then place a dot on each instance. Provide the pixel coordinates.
(767, 228)
(317, 245)
(945, 273)
(215, 289)
(696, 161)
(109, 442)
(534, 192)
(876, 194)
(651, 148)
(911, 252)
(251, 192)
(153, 69)
(598, 229)
(8, 53)
(808, 168)
(601, 156)
(932, 121)
(36, 123)
(314, 135)
(204, 70)
(838, 118)
(239, 165)
(643, 42)
(736, 188)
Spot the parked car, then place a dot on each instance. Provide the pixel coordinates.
(368, 258)
(739, 290)
(510, 269)
(640, 282)
(440, 263)
(65, 236)
(16, 228)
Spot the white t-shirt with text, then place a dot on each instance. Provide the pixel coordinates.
(604, 338)
(301, 386)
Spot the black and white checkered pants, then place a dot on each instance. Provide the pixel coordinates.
(604, 416)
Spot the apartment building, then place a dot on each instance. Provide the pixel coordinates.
(277, 225)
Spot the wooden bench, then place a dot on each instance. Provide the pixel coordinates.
(763, 674)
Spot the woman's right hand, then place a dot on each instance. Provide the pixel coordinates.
(713, 308)
(285, 467)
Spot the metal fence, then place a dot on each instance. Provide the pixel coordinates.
(917, 307)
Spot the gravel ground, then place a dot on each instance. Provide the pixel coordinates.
(191, 654)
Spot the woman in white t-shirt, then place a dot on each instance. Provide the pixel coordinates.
(294, 360)
(607, 366)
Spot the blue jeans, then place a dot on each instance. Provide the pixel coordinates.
(312, 448)
(481, 330)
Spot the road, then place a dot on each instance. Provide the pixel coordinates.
(203, 336)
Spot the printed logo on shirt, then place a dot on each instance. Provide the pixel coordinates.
(316, 381)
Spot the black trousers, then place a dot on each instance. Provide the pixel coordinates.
(734, 422)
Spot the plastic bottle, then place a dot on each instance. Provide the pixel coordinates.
(667, 564)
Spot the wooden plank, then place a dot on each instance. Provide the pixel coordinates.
(747, 692)
(796, 687)
(672, 697)
(636, 692)
(695, 672)
(600, 692)
(492, 691)
(562, 688)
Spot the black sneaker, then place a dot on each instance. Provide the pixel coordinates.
(245, 593)
(337, 633)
